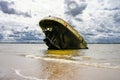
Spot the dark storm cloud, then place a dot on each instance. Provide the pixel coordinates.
(74, 8)
(5, 8)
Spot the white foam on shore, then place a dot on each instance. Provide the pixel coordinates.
(92, 64)
(18, 72)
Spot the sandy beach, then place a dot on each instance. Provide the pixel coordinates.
(35, 62)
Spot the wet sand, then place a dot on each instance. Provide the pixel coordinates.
(35, 62)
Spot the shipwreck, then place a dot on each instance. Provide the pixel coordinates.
(61, 35)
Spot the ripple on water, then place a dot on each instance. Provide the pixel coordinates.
(84, 63)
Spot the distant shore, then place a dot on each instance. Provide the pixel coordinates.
(22, 42)
(41, 42)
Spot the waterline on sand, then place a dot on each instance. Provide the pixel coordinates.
(18, 72)
(84, 63)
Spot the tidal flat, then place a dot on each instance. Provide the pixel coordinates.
(35, 62)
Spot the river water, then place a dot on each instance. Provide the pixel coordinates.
(35, 62)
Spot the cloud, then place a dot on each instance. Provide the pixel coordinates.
(5, 8)
(19, 19)
(73, 8)
(23, 35)
(116, 18)
(112, 5)
(98, 20)
(28, 13)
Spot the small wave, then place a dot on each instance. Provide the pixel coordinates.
(93, 64)
(18, 72)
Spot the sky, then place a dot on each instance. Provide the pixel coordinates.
(98, 21)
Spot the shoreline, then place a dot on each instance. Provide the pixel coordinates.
(41, 42)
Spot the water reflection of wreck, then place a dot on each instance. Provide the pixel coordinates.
(60, 35)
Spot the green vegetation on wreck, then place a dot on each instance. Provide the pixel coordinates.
(61, 35)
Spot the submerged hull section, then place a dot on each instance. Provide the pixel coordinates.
(60, 35)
